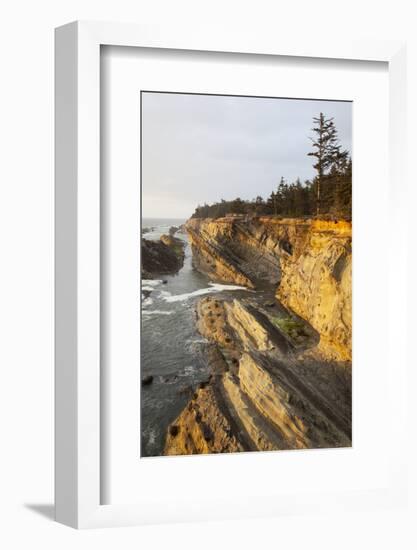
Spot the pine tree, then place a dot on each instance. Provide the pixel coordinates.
(238, 206)
(258, 206)
(271, 204)
(326, 149)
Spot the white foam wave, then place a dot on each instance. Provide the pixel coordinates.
(156, 312)
(189, 369)
(151, 282)
(152, 437)
(192, 341)
(219, 287)
(214, 287)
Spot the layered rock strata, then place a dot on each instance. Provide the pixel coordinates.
(308, 262)
(261, 395)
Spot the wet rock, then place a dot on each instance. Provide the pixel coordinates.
(160, 257)
(147, 380)
(169, 379)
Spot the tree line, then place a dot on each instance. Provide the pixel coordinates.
(328, 194)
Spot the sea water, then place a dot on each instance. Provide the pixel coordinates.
(172, 351)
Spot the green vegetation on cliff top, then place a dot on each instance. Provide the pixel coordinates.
(329, 194)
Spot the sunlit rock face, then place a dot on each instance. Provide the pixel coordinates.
(307, 261)
(202, 427)
(260, 395)
(316, 284)
(279, 356)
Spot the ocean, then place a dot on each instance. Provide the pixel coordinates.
(172, 351)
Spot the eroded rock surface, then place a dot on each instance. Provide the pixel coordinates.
(316, 284)
(280, 358)
(308, 262)
(262, 394)
(202, 427)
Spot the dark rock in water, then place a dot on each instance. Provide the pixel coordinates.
(269, 304)
(147, 380)
(164, 282)
(159, 257)
(174, 430)
(169, 379)
(147, 230)
(173, 230)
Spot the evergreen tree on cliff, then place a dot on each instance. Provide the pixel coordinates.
(327, 151)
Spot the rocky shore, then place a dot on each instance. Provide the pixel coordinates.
(162, 257)
(307, 262)
(280, 358)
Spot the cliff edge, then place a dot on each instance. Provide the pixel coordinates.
(279, 357)
(307, 262)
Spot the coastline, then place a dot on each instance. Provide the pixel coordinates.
(276, 382)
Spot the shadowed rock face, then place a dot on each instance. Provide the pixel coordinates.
(308, 262)
(234, 251)
(165, 256)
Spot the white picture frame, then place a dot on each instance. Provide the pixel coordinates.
(77, 242)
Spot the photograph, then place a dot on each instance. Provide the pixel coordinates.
(246, 273)
(208, 266)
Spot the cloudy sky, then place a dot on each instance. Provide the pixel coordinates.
(199, 148)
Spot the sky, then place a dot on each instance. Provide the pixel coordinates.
(199, 149)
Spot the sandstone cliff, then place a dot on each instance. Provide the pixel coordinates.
(280, 357)
(307, 262)
(260, 395)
